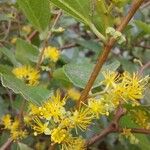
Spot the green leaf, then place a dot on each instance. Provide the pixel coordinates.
(127, 65)
(35, 95)
(89, 44)
(127, 122)
(85, 11)
(59, 75)
(143, 26)
(26, 52)
(10, 55)
(144, 143)
(79, 74)
(23, 146)
(78, 8)
(5, 69)
(37, 12)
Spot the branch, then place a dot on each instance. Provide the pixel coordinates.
(32, 35)
(68, 46)
(102, 59)
(137, 130)
(52, 146)
(109, 130)
(142, 46)
(6, 144)
(45, 41)
(114, 126)
(147, 65)
(147, 4)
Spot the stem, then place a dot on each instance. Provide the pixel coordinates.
(52, 146)
(114, 127)
(147, 65)
(109, 130)
(97, 33)
(97, 137)
(142, 46)
(137, 130)
(6, 144)
(32, 35)
(102, 59)
(45, 41)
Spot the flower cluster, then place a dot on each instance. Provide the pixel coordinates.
(63, 124)
(28, 74)
(141, 118)
(14, 126)
(73, 93)
(52, 53)
(123, 87)
(54, 119)
(127, 134)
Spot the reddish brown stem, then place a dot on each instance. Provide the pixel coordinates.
(6, 144)
(137, 130)
(102, 59)
(45, 41)
(109, 130)
(32, 35)
(114, 127)
(147, 65)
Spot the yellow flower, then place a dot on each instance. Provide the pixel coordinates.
(73, 143)
(13, 40)
(82, 118)
(40, 127)
(97, 107)
(20, 72)
(28, 74)
(133, 87)
(65, 123)
(52, 53)
(78, 144)
(14, 127)
(127, 133)
(141, 118)
(26, 29)
(27, 119)
(34, 109)
(18, 134)
(58, 135)
(54, 107)
(129, 88)
(73, 94)
(6, 121)
(33, 77)
(110, 78)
